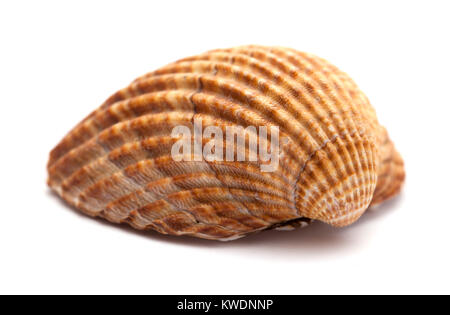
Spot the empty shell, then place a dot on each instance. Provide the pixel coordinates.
(333, 157)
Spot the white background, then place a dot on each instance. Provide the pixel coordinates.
(59, 60)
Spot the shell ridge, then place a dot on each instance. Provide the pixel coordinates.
(254, 89)
(107, 158)
(338, 95)
(124, 174)
(191, 99)
(257, 84)
(296, 108)
(361, 206)
(335, 100)
(341, 94)
(167, 199)
(310, 157)
(176, 211)
(251, 108)
(102, 141)
(159, 83)
(291, 154)
(191, 96)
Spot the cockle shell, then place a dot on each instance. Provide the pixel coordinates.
(335, 158)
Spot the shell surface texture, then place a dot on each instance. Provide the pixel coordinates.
(334, 158)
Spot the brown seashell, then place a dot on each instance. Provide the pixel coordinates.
(335, 159)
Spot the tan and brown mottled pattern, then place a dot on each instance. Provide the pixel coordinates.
(335, 162)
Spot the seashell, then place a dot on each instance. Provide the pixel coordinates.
(335, 159)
